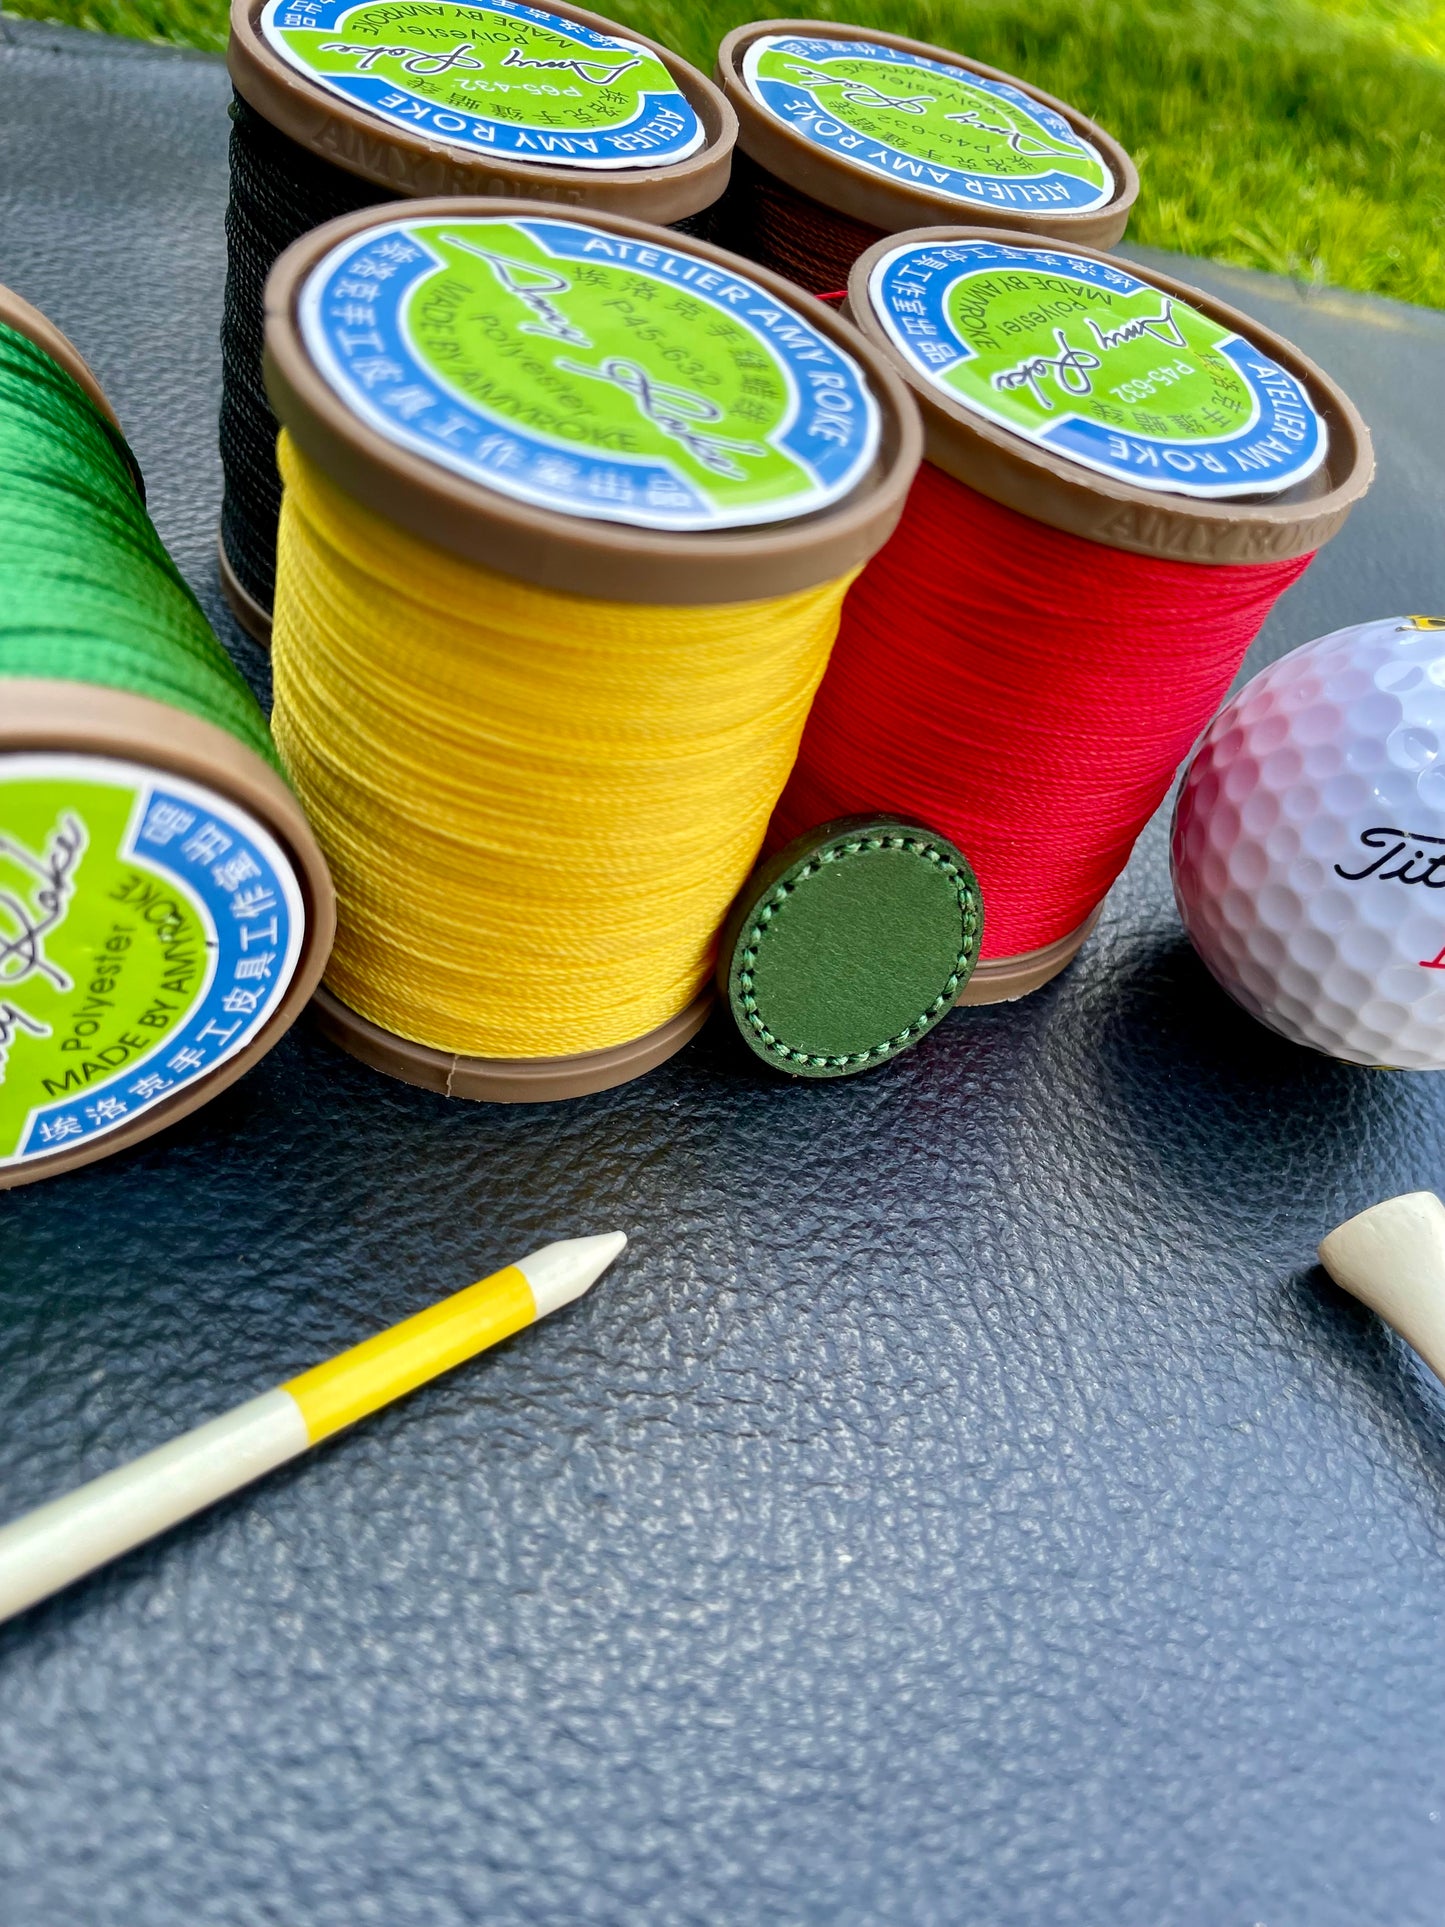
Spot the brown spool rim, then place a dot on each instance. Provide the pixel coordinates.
(413, 167)
(892, 205)
(18, 314)
(1065, 495)
(507, 1080)
(570, 555)
(255, 620)
(1003, 980)
(87, 720)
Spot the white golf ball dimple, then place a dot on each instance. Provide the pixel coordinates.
(1368, 950)
(1266, 948)
(1328, 908)
(1281, 849)
(1259, 811)
(1317, 724)
(1312, 948)
(1398, 677)
(1309, 845)
(1412, 748)
(1301, 801)
(1341, 796)
(1374, 715)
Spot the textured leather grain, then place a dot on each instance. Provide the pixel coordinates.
(964, 1504)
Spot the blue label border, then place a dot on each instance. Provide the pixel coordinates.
(377, 372)
(1284, 442)
(798, 107)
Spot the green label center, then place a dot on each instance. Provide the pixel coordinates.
(1141, 361)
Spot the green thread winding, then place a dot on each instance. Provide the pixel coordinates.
(87, 591)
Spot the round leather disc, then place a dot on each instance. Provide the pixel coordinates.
(849, 945)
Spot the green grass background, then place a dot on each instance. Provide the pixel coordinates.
(1302, 136)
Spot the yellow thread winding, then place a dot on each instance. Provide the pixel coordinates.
(537, 808)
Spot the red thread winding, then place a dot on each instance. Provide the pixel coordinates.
(1027, 693)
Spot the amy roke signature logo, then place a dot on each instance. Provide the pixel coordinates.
(1072, 369)
(36, 888)
(595, 70)
(679, 413)
(857, 92)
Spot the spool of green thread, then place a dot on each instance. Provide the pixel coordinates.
(164, 909)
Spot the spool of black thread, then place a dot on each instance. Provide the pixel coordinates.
(306, 146)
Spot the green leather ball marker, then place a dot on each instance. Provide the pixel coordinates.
(850, 945)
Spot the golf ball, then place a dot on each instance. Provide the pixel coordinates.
(1308, 847)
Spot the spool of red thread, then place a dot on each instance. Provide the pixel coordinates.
(1122, 476)
(848, 133)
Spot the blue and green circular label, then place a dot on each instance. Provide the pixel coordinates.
(589, 372)
(1083, 358)
(926, 124)
(493, 78)
(149, 930)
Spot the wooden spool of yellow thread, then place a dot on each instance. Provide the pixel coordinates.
(540, 744)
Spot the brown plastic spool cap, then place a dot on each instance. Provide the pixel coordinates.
(893, 205)
(88, 720)
(31, 323)
(569, 554)
(507, 1080)
(414, 167)
(1003, 980)
(1065, 495)
(255, 620)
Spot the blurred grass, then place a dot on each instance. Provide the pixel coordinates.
(1306, 137)
(185, 23)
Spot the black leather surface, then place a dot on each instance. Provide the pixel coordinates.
(964, 1504)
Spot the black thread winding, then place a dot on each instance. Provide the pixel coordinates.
(279, 191)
